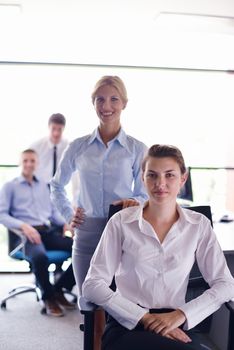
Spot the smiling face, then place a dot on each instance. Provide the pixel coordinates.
(163, 179)
(108, 105)
(28, 162)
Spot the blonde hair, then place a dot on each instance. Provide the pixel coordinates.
(114, 81)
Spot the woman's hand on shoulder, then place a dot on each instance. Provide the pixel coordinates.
(127, 202)
(164, 323)
(78, 218)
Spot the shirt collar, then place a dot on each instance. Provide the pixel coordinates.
(51, 145)
(121, 137)
(188, 215)
(22, 179)
(133, 214)
(95, 135)
(136, 214)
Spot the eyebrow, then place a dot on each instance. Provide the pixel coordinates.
(167, 171)
(97, 96)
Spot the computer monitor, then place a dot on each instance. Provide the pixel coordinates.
(211, 186)
(186, 192)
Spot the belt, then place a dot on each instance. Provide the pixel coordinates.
(160, 311)
(42, 227)
(157, 311)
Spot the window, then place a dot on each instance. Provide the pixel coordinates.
(192, 109)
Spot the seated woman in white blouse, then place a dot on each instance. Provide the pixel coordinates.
(150, 250)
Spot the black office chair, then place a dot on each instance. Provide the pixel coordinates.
(196, 286)
(16, 244)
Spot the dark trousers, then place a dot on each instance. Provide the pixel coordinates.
(52, 239)
(117, 337)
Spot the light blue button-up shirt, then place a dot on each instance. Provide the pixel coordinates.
(106, 173)
(22, 202)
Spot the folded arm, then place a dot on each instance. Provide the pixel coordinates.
(213, 266)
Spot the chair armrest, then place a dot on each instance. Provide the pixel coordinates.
(23, 240)
(86, 306)
(18, 232)
(88, 310)
(198, 281)
(230, 306)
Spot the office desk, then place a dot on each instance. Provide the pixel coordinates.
(225, 235)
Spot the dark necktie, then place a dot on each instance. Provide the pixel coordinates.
(54, 160)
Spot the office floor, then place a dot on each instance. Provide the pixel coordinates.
(23, 327)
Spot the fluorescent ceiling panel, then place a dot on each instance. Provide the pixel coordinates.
(9, 11)
(195, 22)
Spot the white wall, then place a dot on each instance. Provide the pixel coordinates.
(193, 110)
(129, 32)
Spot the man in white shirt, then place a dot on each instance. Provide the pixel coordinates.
(51, 147)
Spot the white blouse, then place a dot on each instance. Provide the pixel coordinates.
(150, 274)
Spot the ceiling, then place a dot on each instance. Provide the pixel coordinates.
(120, 32)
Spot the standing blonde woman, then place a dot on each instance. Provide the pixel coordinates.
(109, 166)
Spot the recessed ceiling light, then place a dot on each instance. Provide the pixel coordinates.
(195, 22)
(10, 9)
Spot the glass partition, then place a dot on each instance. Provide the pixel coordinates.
(192, 109)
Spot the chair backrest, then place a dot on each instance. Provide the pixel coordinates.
(196, 279)
(203, 209)
(13, 241)
(197, 284)
(114, 209)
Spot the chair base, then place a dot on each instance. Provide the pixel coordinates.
(73, 295)
(26, 288)
(21, 289)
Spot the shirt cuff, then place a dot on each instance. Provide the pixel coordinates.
(127, 313)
